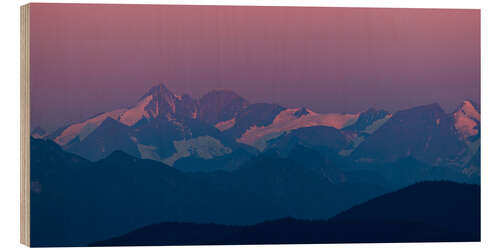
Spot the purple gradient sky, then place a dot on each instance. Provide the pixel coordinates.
(87, 59)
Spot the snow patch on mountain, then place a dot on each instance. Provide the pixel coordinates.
(355, 141)
(148, 152)
(225, 125)
(205, 147)
(83, 129)
(135, 114)
(288, 120)
(376, 124)
(467, 120)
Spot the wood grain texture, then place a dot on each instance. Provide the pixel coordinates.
(25, 124)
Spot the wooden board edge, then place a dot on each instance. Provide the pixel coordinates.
(25, 124)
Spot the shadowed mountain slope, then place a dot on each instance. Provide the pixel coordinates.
(121, 192)
(423, 212)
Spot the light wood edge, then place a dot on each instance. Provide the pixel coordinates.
(25, 124)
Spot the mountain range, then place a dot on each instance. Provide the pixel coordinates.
(220, 164)
(224, 127)
(76, 201)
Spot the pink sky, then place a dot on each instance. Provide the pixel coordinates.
(87, 59)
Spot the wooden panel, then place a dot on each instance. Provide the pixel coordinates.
(25, 124)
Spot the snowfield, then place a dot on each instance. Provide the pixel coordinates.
(135, 114)
(225, 125)
(287, 120)
(83, 129)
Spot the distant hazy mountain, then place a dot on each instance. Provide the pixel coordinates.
(38, 132)
(78, 201)
(424, 212)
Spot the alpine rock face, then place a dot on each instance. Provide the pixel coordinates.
(219, 106)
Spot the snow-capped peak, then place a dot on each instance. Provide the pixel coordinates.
(158, 101)
(467, 119)
(158, 90)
